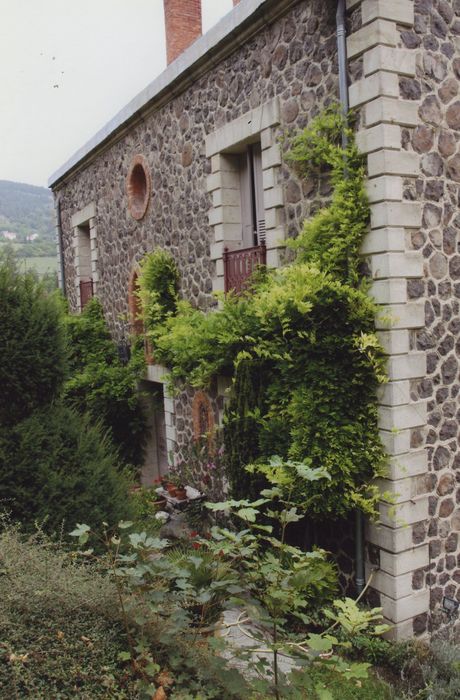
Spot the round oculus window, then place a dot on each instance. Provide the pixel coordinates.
(138, 185)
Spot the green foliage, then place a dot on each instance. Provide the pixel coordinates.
(333, 237)
(159, 287)
(32, 344)
(101, 386)
(60, 631)
(301, 345)
(27, 209)
(57, 466)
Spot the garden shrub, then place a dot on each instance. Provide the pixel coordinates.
(59, 629)
(32, 344)
(57, 466)
(158, 287)
(103, 387)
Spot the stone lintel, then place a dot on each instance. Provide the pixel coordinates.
(240, 131)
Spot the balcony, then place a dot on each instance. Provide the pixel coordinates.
(86, 292)
(239, 266)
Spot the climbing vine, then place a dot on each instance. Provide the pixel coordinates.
(301, 344)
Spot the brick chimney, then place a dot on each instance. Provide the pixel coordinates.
(235, 2)
(183, 25)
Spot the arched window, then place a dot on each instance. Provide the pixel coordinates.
(203, 416)
(138, 187)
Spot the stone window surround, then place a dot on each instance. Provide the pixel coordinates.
(159, 374)
(85, 217)
(223, 183)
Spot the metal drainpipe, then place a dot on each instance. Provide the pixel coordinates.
(343, 94)
(61, 247)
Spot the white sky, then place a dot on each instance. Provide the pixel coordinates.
(99, 54)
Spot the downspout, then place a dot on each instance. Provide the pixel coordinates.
(344, 101)
(60, 246)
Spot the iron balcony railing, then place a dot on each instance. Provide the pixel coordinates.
(240, 264)
(86, 292)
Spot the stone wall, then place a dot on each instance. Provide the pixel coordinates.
(405, 77)
(435, 41)
(292, 61)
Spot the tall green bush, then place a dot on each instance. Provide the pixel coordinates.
(58, 467)
(32, 344)
(103, 387)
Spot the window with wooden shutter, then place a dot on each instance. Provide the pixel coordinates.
(252, 197)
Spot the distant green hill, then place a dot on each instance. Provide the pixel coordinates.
(25, 210)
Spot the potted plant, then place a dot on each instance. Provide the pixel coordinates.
(181, 492)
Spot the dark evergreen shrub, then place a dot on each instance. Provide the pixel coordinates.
(101, 386)
(32, 344)
(60, 467)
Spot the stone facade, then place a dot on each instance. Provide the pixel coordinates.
(405, 77)
(405, 86)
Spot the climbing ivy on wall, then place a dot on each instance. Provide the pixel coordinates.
(301, 344)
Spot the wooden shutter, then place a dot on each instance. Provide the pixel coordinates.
(259, 193)
(247, 227)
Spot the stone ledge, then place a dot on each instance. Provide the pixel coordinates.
(400, 61)
(401, 11)
(391, 586)
(395, 316)
(385, 188)
(384, 240)
(394, 342)
(380, 136)
(406, 465)
(394, 393)
(390, 539)
(395, 516)
(381, 84)
(388, 291)
(395, 443)
(387, 162)
(405, 608)
(393, 111)
(407, 265)
(380, 31)
(412, 415)
(410, 366)
(400, 491)
(388, 214)
(403, 562)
